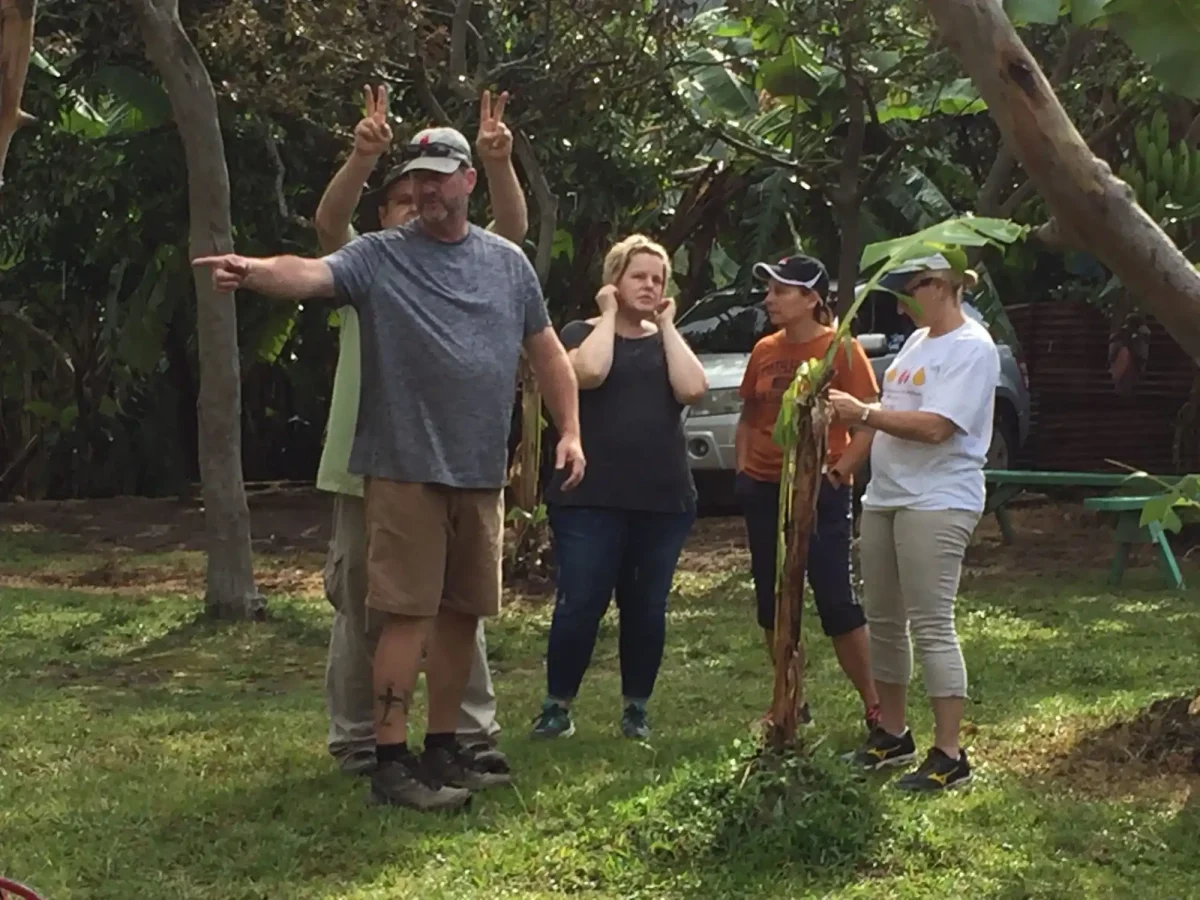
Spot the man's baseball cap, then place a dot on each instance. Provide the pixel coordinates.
(442, 150)
(898, 279)
(434, 149)
(798, 271)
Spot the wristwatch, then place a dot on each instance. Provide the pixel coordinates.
(866, 413)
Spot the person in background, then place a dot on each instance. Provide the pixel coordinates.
(797, 304)
(623, 528)
(926, 495)
(355, 629)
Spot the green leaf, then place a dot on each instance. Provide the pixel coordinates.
(68, 416)
(795, 73)
(42, 410)
(1033, 12)
(275, 333)
(1171, 522)
(564, 245)
(108, 407)
(1157, 509)
(1166, 35)
(716, 87)
(959, 97)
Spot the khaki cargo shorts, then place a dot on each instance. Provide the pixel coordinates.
(430, 546)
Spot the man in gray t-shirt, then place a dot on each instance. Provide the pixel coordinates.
(445, 310)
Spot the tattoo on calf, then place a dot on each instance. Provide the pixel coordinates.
(390, 699)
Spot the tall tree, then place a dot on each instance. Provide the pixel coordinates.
(1092, 208)
(231, 591)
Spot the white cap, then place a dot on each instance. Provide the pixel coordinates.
(442, 150)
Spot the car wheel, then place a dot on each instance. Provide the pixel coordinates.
(1003, 451)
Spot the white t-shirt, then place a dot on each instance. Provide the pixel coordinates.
(954, 375)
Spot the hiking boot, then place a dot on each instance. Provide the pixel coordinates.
(882, 749)
(634, 724)
(553, 721)
(938, 773)
(399, 784)
(458, 767)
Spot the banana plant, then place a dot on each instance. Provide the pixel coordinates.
(800, 430)
(1165, 34)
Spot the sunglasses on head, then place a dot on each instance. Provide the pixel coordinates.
(433, 148)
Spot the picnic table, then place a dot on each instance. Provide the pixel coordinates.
(1005, 485)
(1133, 493)
(1130, 531)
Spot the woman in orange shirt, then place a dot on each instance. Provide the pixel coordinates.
(797, 303)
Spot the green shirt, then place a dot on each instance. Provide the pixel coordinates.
(334, 472)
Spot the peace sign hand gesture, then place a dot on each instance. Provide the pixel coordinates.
(373, 135)
(494, 141)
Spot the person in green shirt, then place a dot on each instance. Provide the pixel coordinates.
(355, 631)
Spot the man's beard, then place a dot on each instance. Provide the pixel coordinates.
(438, 211)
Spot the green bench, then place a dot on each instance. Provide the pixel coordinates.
(1005, 485)
(1130, 531)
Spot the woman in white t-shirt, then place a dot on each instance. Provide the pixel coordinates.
(932, 431)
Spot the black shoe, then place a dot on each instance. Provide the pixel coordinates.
(402, 784)
(938, 773)
(883, 749)
(460, 768)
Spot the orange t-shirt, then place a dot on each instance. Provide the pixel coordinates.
(772, 366)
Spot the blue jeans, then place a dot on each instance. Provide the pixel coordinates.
(600, 552)
(828, 570)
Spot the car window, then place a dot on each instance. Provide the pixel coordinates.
(726, 322)
(880, 314)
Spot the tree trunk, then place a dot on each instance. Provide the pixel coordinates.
(16, 46)
(796, 524)
(231, 591)
(1092, 208)
(530, 532)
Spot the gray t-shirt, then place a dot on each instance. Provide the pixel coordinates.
(442, 329)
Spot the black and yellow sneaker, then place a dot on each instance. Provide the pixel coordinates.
(938, 773)
(882, 750)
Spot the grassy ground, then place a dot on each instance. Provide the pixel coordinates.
(145, 754)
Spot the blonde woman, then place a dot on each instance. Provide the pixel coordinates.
(921, 507)
(622, 528)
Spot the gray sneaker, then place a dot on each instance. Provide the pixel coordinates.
(397, 784)
(357, 763)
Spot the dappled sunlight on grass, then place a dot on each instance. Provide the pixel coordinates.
(147, 752)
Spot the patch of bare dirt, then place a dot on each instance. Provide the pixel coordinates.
(282, 518)
(1054, 538)
(287, 520)
(1164, 738)
(715, 545)
(126, 571)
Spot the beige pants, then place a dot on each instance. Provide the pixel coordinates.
(348, 673)
(911, 564)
